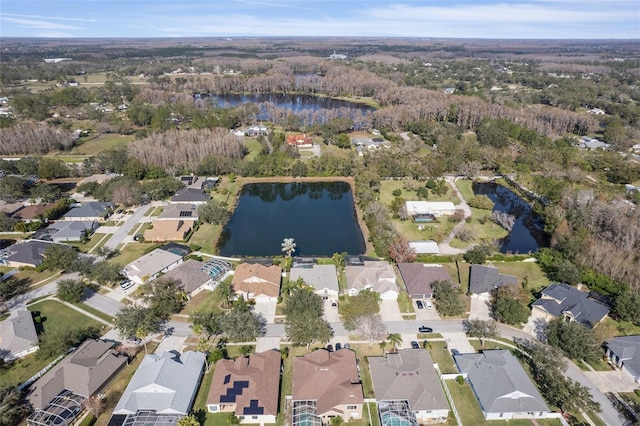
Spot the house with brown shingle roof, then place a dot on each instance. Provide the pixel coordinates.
(377, 276)
(258, 282)
(169, 230)
(30, 213)
(248, 387)
(419, 277)
(326, 384)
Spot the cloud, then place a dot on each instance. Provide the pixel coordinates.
(57, 18)
(276, 5)
(37, 24)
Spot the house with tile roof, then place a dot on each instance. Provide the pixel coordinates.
(18, 336)
(561, 299)
(326, 384)
(377, 276)
(323, 278)
(300, 141)
(501, 386)
(483, 279)
(161, 390)
(624, 353)
(30, 213)
(84, 372)
(407, 388)
(419, 277)
(248, 387)
(257, 282)
(169, 230)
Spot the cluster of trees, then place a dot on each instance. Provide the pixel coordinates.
(449, 300)
(35, 138)
(128, 191)
(361, 313)
(575, 340)
(510, 305)
(66, 258)
(305, 325)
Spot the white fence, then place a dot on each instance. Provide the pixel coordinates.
(44, 370)
(448, 394)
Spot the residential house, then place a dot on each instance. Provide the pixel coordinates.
(71, 230)
(424, 247)
(199, 182)
(596, 111)
(84, 372)
(91, 211)
(25, 253)
(377, 276)
(169, 230)
(501, 386)
(369, 144)
(190, 196)
(563, 300)
(180, 211)
(435, 208)
(257, 282)
(300, 141)
(18, 336)
(161, 390)
(325, 385)
(323, 278)
(194, 276)
(591, 144)
(99, 178)
(419, 277)
(248, 387)
(483, 279)
(30, 213)
(407, 388)
(149, 266)
(624, 353)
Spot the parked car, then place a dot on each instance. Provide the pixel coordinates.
(133, 340)
(455, 352)
(338, 346)
(334, 304)
(415, 345)
(330, 348)
(419, 304)
(126, 284)
(347, 346)
(425, 329)
(138, 237)
(428, 304)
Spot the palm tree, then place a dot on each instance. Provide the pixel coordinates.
(396, 340)
(225, 293)
(383, 346)
(288, 246)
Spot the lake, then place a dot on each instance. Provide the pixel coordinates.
(319, 216)
(295, 103)
(527, 234)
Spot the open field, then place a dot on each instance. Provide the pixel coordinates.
(101, 143)
(205, 238)
(132, 252)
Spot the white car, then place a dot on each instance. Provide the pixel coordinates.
(428, 304)
(334, 304)
(126, 284)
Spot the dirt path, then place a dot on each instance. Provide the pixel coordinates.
(444, 246)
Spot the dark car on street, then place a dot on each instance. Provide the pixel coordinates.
(419, 304)
(425, 329)
(415, 345)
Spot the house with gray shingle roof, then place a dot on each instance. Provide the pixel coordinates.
(72, 230)
(191, 196)
(93, 210)
(624, 352)
(323, 278)
(483, 279)
(408, 376)
(18, 336)
(501, 386)
(563, 300)
(25, 253)
(377, 276)
(164, 386)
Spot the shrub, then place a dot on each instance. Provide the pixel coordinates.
(460, 380)
(481, 202)
(396, 192)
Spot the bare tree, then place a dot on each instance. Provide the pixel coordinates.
(371, 327)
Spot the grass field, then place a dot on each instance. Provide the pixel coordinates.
(254, 148)
(388, 186)
(132, 252)
(206, 238)
(205, 301)
(101, 143)
(440, 355)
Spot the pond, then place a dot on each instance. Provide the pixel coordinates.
(319, 216)
(295, 103)
(527, 234)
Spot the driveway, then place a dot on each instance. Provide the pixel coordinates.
(171, 343)
(458, 341)
(480, 307)
(123, 231)
(426, 315)
(330, 314)
(390, 311)
(611, 381)
(267, 309)
(264, 344)
(103, 303)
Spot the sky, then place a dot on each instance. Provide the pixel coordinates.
(510, 19)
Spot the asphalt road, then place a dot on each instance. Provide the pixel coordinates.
(45, 290)
(123, 231)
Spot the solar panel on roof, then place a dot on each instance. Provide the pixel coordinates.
(227, 378)
(253, 408)
(234, 391)
(186, 213)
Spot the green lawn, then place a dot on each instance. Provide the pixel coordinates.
(441, 356)
(205, 301)
(388, 186)
(32, 277)
(206, 238)
(101, 143)
(132, 252)
(56, 316)
(254, 148)
(465, 188)
(405, 304)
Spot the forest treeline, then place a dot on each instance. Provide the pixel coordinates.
(33, 138)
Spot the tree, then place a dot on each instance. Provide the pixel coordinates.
(481, 202)
(50, 168)
(288, 246)
(401, 252)
(510, 305)
(575, 340)
(189, 420)
(12, 188)
(58, 341)
(138, 321)
(477, 255)
(213, 212)
(305, 324)
(448, 299)
(61, 257)
(71, 291)
(396, 340)
(365, 303)
(627, 307)
(208, 322)
(163, 297)
(105, 273)
(224, 291)
(242, 325)
(12, 407)
(371, 327)
(481, 329)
